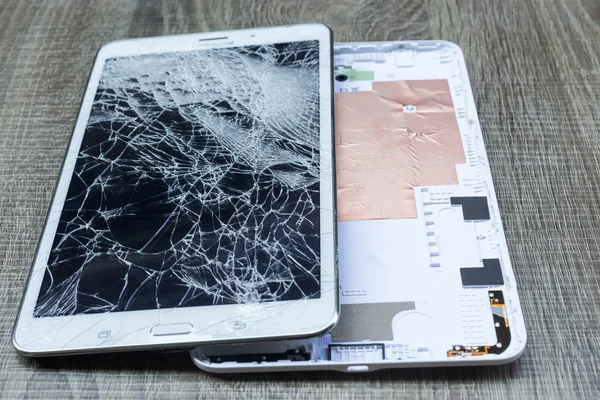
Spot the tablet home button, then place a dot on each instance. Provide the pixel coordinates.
(171, 329)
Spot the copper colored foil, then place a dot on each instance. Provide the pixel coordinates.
(383, 152)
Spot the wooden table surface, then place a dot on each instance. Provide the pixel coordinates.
(535, 71)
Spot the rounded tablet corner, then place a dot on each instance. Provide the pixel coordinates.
(18, 347)
(319, 25)
(451, 45)
(199, 363)
(108, 47)
(517, 349)
(207, 366)
(330, 325)
(112, 47)
(514, 352)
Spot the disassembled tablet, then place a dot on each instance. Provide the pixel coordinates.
(425, 276)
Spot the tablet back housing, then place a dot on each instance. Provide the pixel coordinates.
(425, 275)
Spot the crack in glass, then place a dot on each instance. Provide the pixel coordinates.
(197, 183)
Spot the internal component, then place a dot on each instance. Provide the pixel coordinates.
(360, 322)
(357, 352)
(474, 208)
(343, 74)
(290, 355)
(489, 275)
(390, 138)
(502, 331)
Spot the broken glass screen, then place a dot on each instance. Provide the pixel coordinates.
(197, 183)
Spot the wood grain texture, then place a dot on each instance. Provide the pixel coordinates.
(535, 71)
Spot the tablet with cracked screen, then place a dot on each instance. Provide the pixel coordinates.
(196, 199)
(425, 276)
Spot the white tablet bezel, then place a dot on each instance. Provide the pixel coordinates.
(211, 324)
